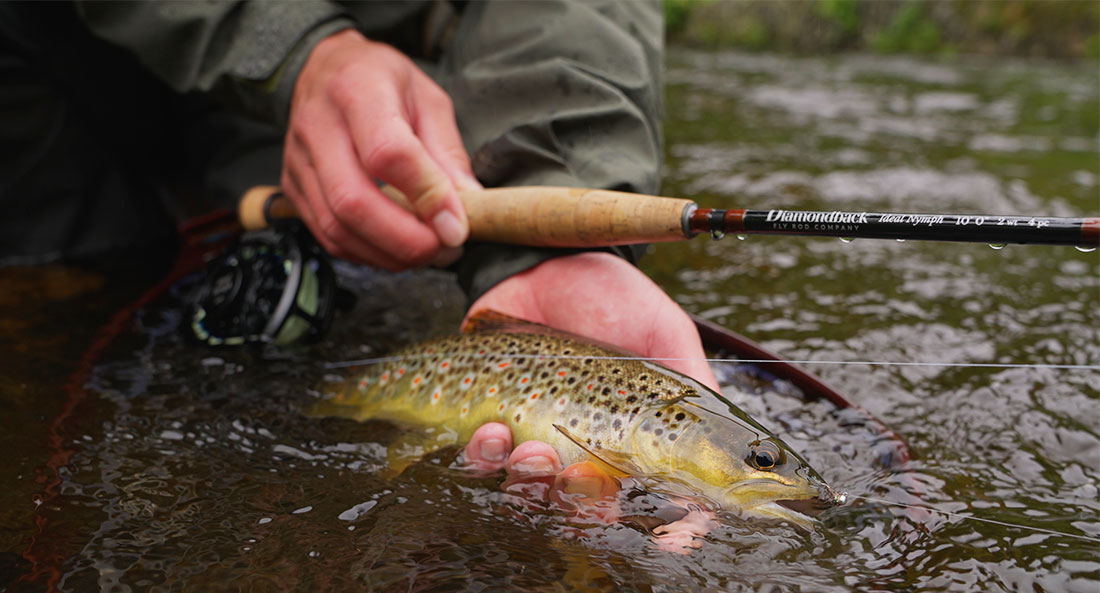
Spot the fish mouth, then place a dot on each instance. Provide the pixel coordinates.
(827, 498)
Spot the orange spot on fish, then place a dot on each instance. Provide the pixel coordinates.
(445, 364)
(400, 371)
(621, 392)
(561, 402)
(492, 390)
(436, 395)
(523, 381)
(561, 373)
(468, 380)
(416, 380)
(385, 376)
(501, 408)
(481, 351)
(590, 386)
(503, 365)
(363, 383)
(534, 396)
(464, 410)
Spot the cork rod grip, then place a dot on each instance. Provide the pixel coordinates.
(533, 215)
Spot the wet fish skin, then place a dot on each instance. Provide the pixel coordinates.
(637, 417)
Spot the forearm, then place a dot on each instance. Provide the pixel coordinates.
(556, 93)
(245, 54)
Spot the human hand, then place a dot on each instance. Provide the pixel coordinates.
(602, 296)
(361, 112)
(583, 489)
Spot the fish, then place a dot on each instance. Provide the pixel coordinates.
(589, 401)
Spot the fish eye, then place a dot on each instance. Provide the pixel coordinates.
(763, 455)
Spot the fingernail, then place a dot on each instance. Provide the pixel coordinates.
(493, 450)
(450, 230)
(446, 257)
(539, 464)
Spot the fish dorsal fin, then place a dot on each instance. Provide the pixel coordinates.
(617, 464)
(489, 320)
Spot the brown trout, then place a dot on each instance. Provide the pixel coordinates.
(634, 417)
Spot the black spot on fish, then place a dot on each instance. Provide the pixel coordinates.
(606, 390)
(680, 416)
(518, 416)
(597, 417)
(615, 409)
(672, 436)
(544, 375)
(659, 431)
(643, 378)
(571, 380)
(631, 399)
(588, 361)
(573, 423)
(658, 414)
(653, 395)
(618, 424)
(553, 390)
(591, 399)
(566, 352)
(616, 371)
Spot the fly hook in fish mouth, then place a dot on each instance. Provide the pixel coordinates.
(812, 507)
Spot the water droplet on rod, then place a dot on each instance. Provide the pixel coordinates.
(741, 237)
(1084, 248)
(997, 246)
(846, 239)
(900, 240)
(716, 234)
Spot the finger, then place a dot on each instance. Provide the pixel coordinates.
(533, 459)
(685, 534)
(680, 343)
(489, 447)
(358, 207)
(300, 183)
(588, 492)
(389, 150)
(434, 123)
(586, 483)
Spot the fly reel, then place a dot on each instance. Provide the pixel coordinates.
(272, 286)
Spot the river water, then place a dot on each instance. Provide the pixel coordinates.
(145, 463)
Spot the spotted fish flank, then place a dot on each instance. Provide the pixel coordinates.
(636, 417)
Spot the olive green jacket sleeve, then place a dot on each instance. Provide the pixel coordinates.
(246, 54)
(555, 93)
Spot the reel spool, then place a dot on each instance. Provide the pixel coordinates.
(272, 286)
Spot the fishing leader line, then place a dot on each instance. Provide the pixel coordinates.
(994, 365)
(1089, 538)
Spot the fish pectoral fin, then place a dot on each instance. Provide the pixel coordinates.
(412, 446)
(615, 463)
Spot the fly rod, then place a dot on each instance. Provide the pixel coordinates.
(579, 217)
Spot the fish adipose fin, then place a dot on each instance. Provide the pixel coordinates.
(489, 320)
(616, 464)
